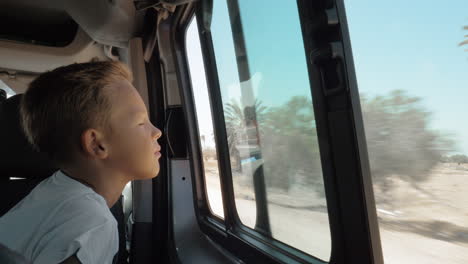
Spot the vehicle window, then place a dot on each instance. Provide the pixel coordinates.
(270, 123)
(412, 74)
(204, 118)
(8, 90)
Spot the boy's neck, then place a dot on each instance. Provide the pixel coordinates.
(108, 184)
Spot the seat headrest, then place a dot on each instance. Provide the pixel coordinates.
(17, 156)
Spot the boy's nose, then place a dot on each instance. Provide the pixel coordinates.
(156, 133)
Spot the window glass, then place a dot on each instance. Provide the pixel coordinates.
(270, 123)
(204, 118)
(411, 69)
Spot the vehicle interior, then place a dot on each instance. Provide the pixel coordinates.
(187, 215)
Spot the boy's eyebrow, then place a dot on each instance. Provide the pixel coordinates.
(139, 112)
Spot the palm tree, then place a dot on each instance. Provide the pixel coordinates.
(237, 119)
(465, 42)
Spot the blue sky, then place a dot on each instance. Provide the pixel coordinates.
(276, 53)
(413, 46)
(406, 45)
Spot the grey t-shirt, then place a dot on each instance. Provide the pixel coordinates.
(61, 217)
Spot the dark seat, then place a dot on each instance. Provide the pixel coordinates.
(3, 95)
(22, 167)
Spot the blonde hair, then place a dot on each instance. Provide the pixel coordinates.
(61, 104)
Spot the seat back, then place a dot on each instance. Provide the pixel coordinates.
(3, 95)
(21, 167)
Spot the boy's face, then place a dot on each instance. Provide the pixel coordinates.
(132, 141)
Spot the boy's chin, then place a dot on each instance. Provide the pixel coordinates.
(153, 174)
(144, 175)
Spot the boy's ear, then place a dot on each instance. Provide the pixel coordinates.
(93, 145)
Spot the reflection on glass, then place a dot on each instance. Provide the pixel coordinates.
(270, 124)
(413, 95)
(205, 123)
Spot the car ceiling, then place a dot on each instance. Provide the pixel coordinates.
(109, 22)
(36, 36)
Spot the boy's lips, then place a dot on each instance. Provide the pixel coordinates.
(157, 152)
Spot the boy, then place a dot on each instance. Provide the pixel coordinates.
(92, 122)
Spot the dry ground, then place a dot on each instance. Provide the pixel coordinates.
(428, 224)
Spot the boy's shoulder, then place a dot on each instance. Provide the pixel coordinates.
(62, 197)
(78, 198)
(58, 214)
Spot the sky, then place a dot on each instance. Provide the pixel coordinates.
(413, 46)
(405, 45)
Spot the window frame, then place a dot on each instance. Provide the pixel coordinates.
(352, 212)
(230, 233)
